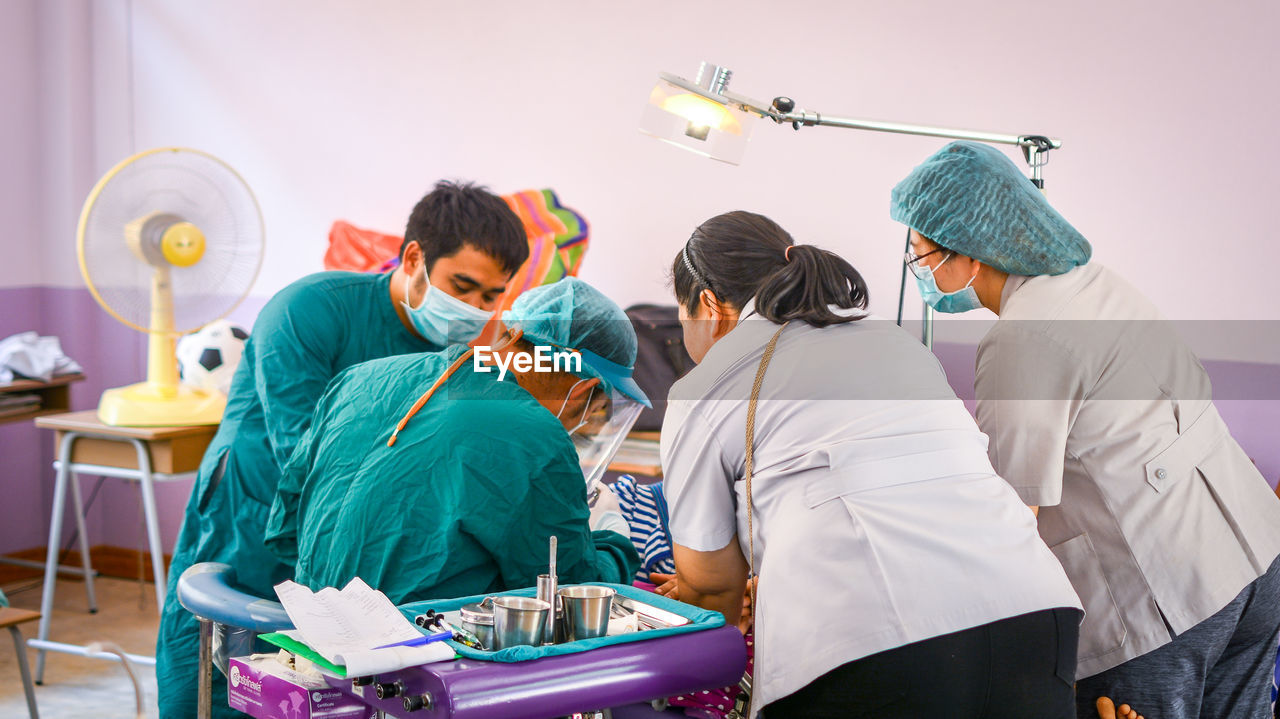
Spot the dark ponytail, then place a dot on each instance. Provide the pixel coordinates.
(740, 255)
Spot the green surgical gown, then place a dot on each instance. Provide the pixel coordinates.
(464, 503)
(304, 336)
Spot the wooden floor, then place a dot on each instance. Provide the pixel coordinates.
(76, 686)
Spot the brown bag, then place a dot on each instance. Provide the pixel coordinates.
(661, 358)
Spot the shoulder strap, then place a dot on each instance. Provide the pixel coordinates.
(749, 466)
(744, 697)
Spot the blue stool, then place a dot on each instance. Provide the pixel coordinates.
(230, 621)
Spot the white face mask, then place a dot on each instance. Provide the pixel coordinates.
(585, 410)
(443, 319)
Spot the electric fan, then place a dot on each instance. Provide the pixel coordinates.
(169, 240)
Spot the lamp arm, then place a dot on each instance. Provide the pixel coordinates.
(804, 118)
(813, 119)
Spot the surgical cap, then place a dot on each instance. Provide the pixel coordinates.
(971, 198)
(571, 314)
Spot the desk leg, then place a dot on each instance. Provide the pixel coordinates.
(153, 521)
(55, 540)
(21, 647)
(73, 481)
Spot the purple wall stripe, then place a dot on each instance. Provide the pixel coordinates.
(113, 355)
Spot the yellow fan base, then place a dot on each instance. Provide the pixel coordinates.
(147, 405)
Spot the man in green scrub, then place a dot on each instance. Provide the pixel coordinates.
(462, 245)
(478, 478)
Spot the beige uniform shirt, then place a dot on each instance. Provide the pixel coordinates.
(1100, 414)
(878, 520)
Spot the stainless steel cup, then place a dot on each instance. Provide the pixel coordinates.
(586, 611)
(518, 621)
(477, 618)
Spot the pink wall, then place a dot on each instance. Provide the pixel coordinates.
(19, 196)
(350, 110)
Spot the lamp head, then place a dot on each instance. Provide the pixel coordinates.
(697, 115)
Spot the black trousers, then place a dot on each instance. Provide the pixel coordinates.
(1021, 667)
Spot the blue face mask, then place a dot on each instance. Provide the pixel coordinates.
(443, 319)
(962, 300)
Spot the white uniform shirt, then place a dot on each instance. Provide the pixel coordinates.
(878, 519)
(1101, 415)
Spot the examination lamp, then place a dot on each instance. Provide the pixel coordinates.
(705, 117)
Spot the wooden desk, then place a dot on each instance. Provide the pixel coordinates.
(171, 450)
(55, 397)
(146, 455)
(638, 455)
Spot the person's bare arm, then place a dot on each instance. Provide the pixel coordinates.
(666, 585)
(713, 580)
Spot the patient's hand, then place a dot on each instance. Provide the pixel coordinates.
(667, 586)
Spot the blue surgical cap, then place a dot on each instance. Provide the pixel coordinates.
(971, 198)
(572, 314)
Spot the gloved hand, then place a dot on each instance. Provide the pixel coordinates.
(606, 514)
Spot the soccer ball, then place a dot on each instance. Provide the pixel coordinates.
(208, 357)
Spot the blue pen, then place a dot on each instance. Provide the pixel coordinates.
(419, 641)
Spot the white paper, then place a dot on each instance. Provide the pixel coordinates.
(623, 625)
(345, 625)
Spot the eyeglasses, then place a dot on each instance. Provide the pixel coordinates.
(912, 260)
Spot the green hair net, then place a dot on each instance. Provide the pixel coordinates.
(971, 198)
(571, 314)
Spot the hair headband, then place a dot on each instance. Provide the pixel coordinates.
(684, 252)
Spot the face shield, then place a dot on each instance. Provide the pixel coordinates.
(608, 420)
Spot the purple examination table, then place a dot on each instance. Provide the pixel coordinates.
(610, 676)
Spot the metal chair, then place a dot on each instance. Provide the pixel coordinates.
(10, 618)
(230, 621)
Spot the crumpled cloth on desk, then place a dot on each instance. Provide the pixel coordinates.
(30, 355)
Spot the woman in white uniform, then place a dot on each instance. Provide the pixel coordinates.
(1101, 416)
(899, 576)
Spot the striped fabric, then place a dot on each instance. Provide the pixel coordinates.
(645, 509)
(558, 238)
